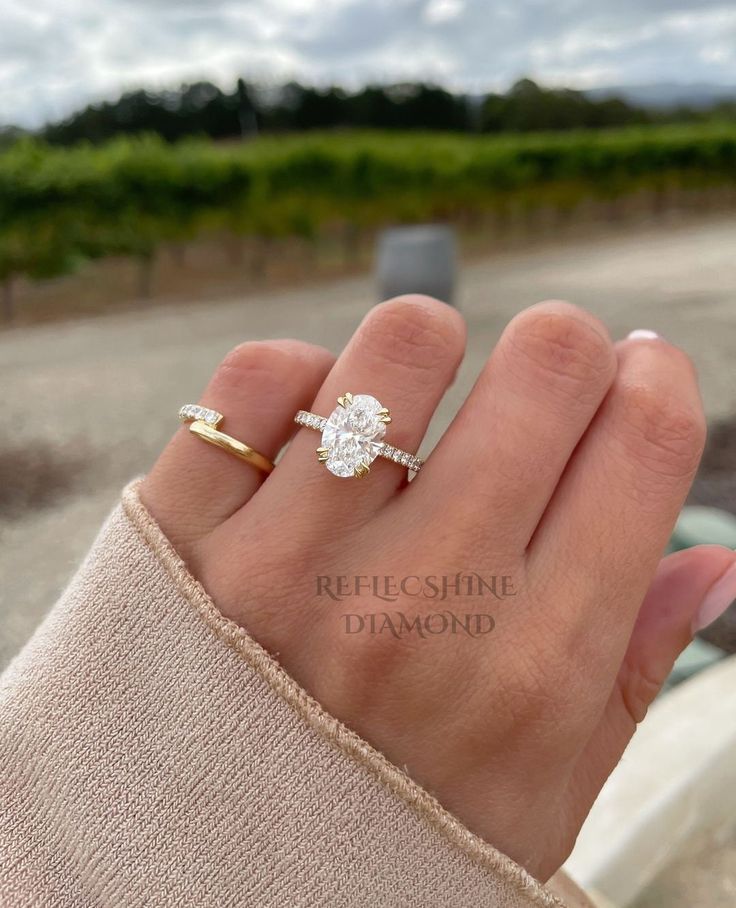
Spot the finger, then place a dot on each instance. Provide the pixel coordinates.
(258, 387)
(690, 587)
(509, 444)
(615, 508)
(405, 353)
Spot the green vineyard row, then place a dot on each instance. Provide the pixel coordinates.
(61, 206)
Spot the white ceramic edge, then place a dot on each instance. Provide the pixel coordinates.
(677, 778)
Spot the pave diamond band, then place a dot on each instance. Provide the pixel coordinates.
(310, 420)
(406, 460)
(352, 436)
(190, 412)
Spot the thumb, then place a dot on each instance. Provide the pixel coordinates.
(690, 590)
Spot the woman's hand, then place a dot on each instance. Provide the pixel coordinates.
(561, 477)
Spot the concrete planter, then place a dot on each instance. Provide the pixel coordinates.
(676, 781)
(421, 259)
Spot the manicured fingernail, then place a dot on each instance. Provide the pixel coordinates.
(643, 334)
(717, 600)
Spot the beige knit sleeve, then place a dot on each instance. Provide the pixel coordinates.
(152, 753)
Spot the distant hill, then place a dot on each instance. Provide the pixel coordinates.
(666, 95)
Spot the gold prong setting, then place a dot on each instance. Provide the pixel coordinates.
(352, 436)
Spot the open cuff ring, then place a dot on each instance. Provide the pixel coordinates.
(204, 423)
(352, 436)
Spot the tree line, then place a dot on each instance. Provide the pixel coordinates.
(205, 109)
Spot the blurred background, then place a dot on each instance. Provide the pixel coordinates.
(177, 177)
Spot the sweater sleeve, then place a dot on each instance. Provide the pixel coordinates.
(152, 753)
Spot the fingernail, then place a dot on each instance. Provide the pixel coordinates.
(643, 334)
(717, 600)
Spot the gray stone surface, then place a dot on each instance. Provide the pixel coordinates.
(704, 877)
(94, 400)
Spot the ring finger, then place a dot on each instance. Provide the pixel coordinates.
(405, 353)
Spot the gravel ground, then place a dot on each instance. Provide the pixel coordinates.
(87, 404)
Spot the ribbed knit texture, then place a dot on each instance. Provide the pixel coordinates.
(152, 753)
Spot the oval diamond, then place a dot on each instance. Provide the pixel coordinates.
(353, 433)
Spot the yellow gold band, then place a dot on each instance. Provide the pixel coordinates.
(231, 445)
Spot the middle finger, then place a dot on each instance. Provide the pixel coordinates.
(499, 462)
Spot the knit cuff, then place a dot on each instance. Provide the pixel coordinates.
(156, 754)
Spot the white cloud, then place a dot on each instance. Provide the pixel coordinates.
(56, 55)
(438, 11)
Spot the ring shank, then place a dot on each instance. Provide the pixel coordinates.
(206, 432)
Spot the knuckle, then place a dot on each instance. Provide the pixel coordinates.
(254, 361)
(414, 331)
(664, 434)
(564, 345)
(248, 360)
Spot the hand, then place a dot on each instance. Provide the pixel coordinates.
(563, 472)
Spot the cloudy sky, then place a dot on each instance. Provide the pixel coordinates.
(58, 54)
